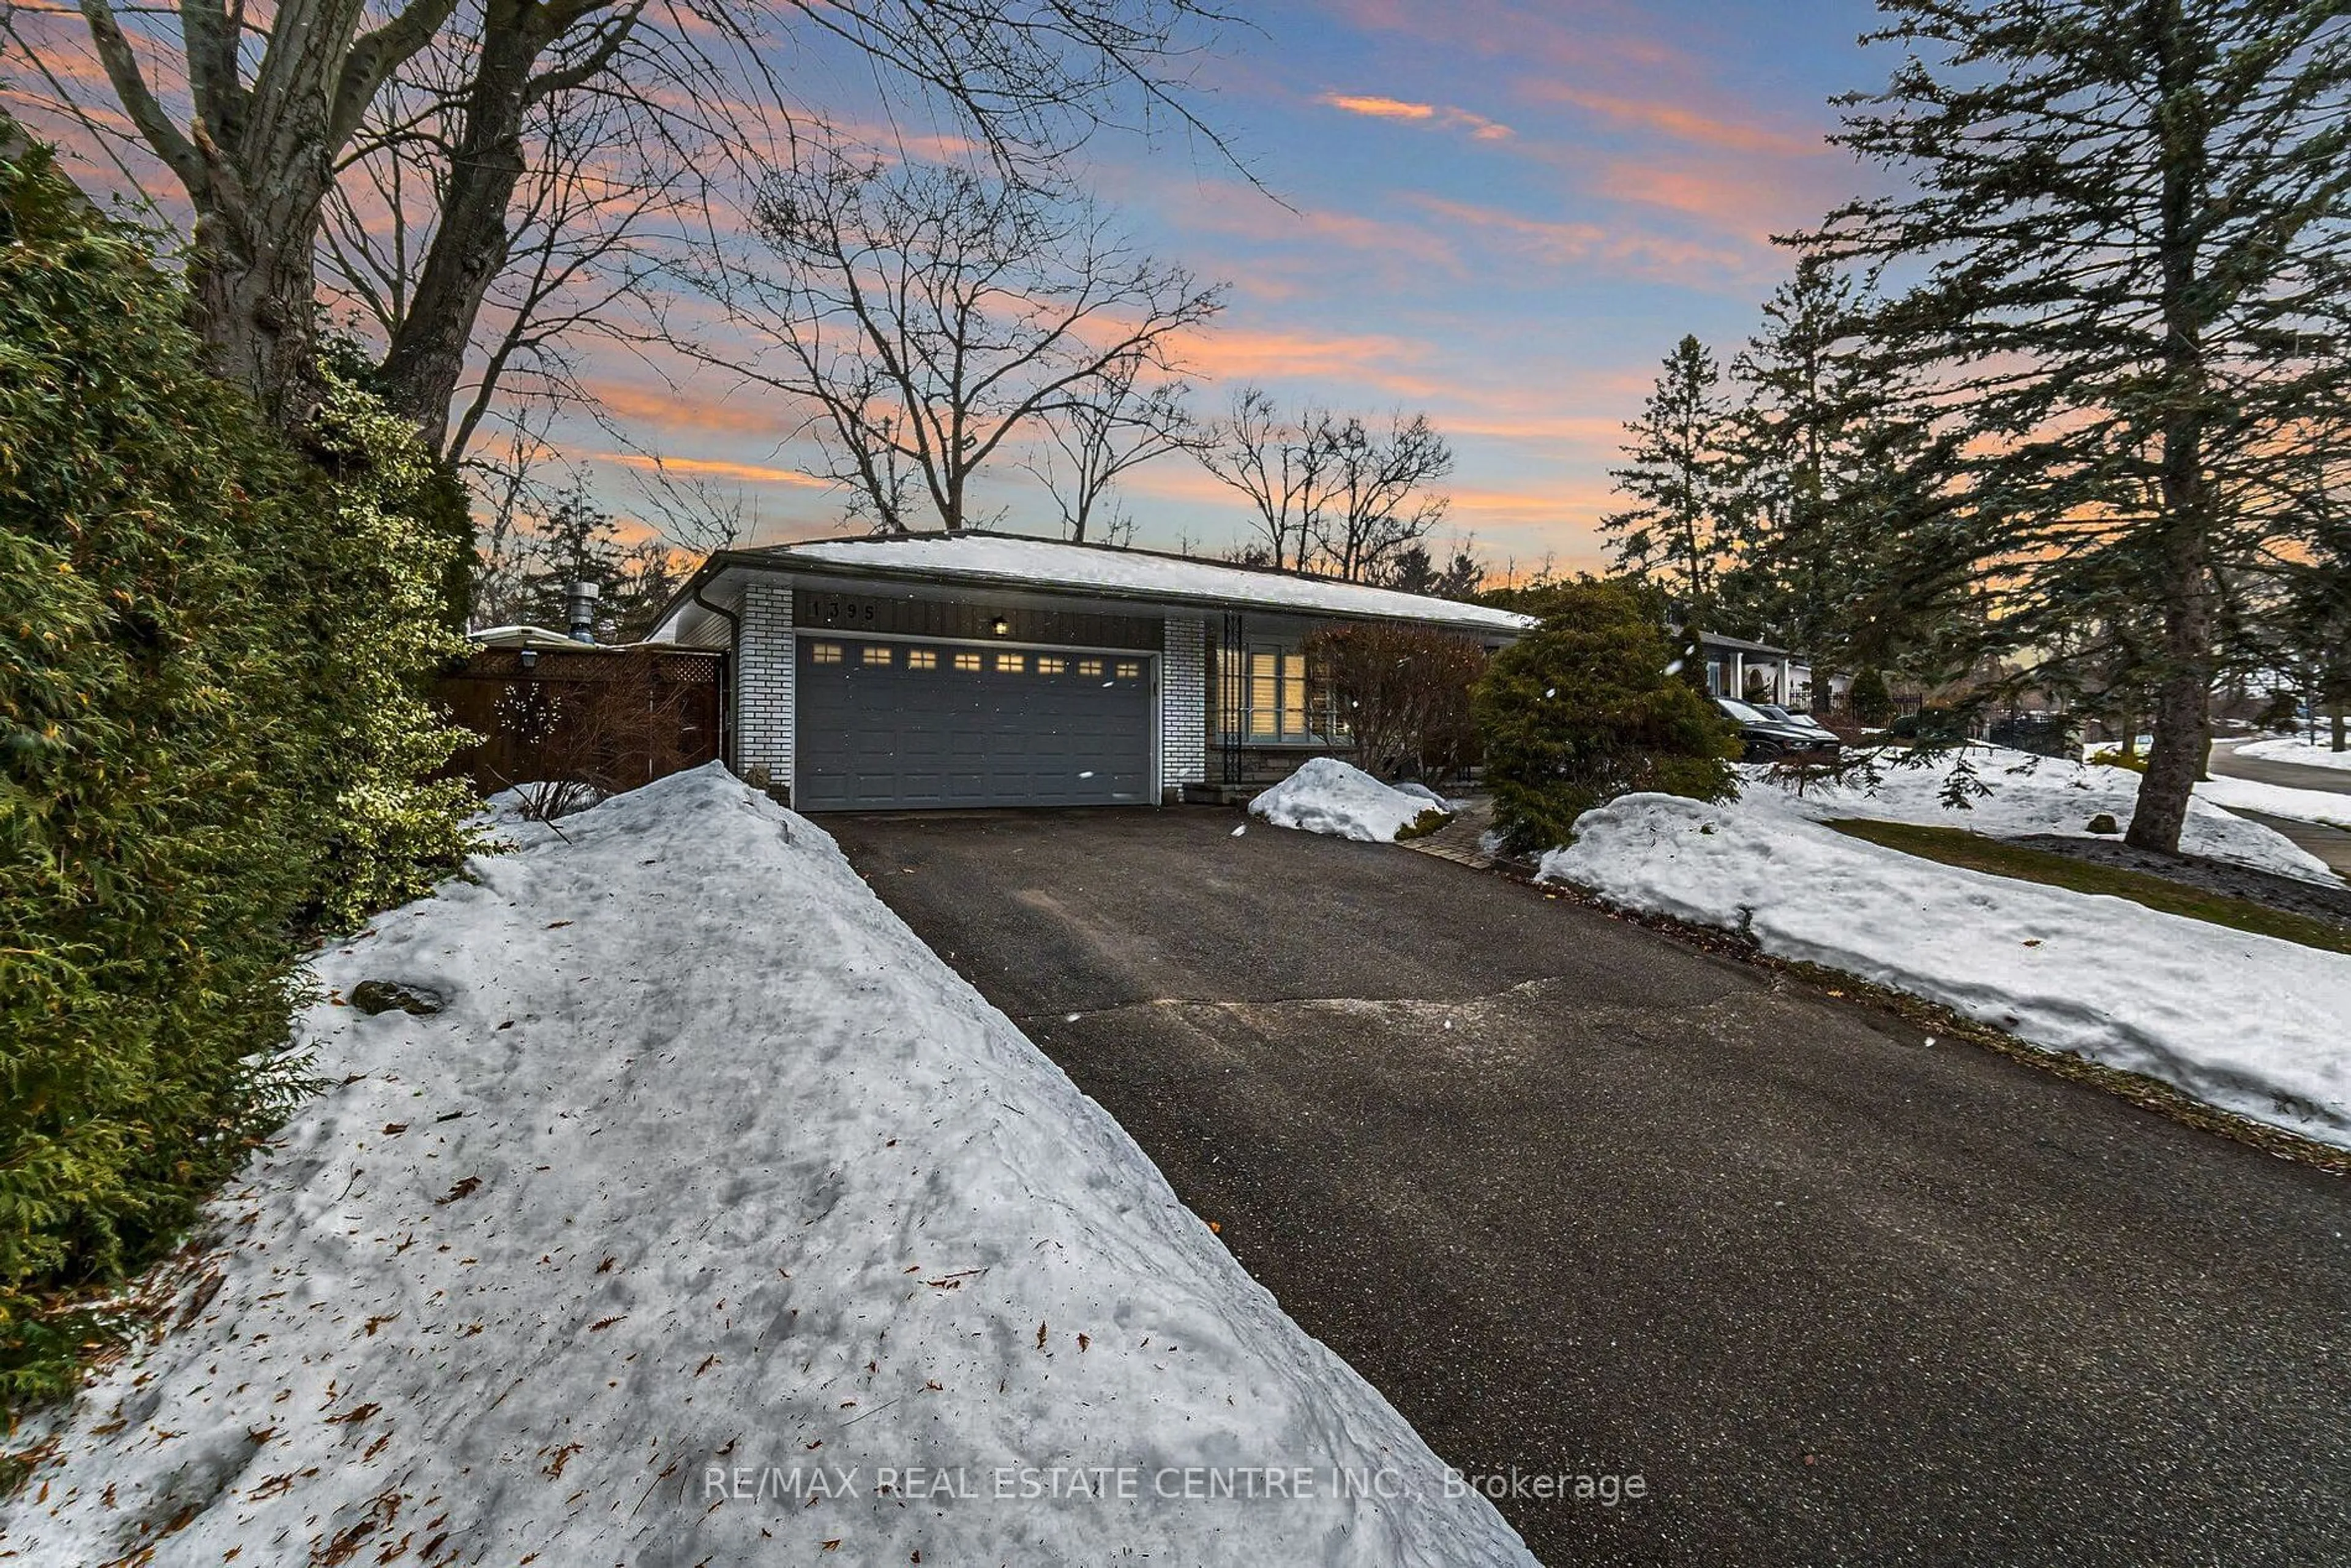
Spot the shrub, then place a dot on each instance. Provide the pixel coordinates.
(1583, 709)
(1872, 700)
(195, 681)
(1406, 692)
(392, 829)
(1931, 727)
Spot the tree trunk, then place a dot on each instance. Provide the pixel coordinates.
(427, 356)
(253, 300)
(2183, 699)
(2338, 717)
(2183, 721)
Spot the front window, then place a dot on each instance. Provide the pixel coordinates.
(1283, 695)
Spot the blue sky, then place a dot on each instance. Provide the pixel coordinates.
(1500, 212)
(1503, 214)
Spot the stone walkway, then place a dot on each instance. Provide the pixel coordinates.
(1458, 841)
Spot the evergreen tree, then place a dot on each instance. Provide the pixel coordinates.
(1586, 707)
(1829, 479)
(1677, 532)
(213, 739)
(2127, 218)
(2313, 612)
(1419, 571)
(524, 572)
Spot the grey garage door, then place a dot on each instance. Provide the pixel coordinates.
(889, 726)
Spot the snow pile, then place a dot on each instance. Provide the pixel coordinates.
(2322, 806)
(1327, 796)
(2294, 749)
(2032, 794)
(1409, 787)
(520, 805)
(2249, 1024)
(716, 1219)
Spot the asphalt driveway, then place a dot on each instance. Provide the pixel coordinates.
(1582, 1199)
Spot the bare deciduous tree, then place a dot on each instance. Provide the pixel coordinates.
(587, 243)
(1279, 466)
(927, 316)
(1328, 494)
(1106, 427)
(258, 114)
(1379, 505)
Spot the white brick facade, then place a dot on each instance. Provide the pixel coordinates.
(1184, 704)
(764, 669)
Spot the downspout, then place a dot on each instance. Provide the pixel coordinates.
(726, 687)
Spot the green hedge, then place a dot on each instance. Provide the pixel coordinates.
(210, 737)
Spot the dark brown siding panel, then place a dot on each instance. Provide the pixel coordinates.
(899, 615)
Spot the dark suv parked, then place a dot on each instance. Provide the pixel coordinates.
(1763, 738)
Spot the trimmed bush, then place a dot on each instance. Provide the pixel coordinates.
(1585, 708)
(379, 631)
(205, 740)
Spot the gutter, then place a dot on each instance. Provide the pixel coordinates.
(734, 653)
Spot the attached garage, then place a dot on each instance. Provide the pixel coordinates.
(984, 670)
(896, 725)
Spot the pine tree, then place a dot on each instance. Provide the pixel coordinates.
(1815, 463)
(2314, 616)
(1678, 532)
(2128, 219)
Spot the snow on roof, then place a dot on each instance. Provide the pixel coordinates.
(523, 637)
(1009, 558)
(1716, 640)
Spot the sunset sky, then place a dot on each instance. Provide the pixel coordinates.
(1503, 214)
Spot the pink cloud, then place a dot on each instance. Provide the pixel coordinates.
(1337, 359)
(712, 469)
(1374, 107)
(1685, 124)
(1630, 250)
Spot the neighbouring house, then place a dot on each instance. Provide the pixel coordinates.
(1734, 666)
(985, 669)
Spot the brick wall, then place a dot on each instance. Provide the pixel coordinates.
(1184, 704)
(763, 686)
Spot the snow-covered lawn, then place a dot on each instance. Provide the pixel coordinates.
(2321, 806)
(2033, 794)
(2296, 750)
(717, 1219)
(2249, 1024)
(1328, 796)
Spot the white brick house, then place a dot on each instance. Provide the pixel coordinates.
(989, 669)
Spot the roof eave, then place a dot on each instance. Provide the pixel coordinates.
(776, 561)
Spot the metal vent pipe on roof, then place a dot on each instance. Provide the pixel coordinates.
(580, 607)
